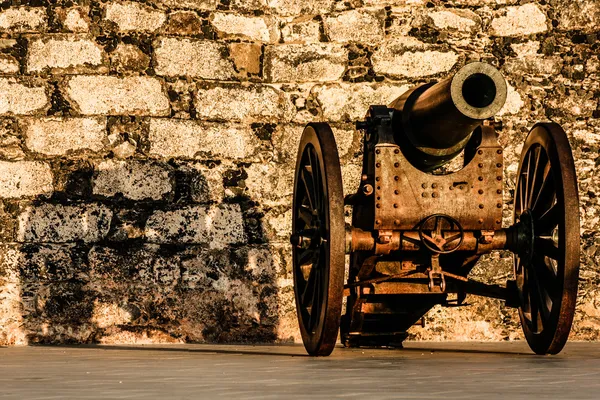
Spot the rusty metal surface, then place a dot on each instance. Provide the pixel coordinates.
(406, 195)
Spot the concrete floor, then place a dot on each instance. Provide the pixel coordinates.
(420, 371)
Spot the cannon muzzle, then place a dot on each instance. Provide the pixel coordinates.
(435, 120)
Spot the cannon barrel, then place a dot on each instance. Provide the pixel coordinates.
(435, 121)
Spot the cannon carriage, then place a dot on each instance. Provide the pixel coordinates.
(417, 231)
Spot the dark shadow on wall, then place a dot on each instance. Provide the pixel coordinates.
(123, 288)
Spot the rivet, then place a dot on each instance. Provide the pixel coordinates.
(396, 165)
(480, 152)
(480, 220)
(451, 187)
(378, 179)
(499, 165)
(499, 191)
(498, 221)
(499, 205)
(434, 194)
(377, 151)
(423, 194)
(364, 177)
(480, 191)
(434, 185)
(480, 178)
(396, 178)
(378, 205)
(498, 178)
(396, 222)
(480, 165)
(378, 165)
(378, 187)
(499, 151)
(481, 206)
(396, 191)
(378, 221)
(378, 197)
(424, 186)
(395, 205)
(396, 151)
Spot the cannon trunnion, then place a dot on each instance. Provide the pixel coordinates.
(417, 230)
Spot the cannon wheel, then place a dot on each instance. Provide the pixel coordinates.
(318, 239)
(547, 273)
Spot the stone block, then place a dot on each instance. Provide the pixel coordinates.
(135, 95)
(18, 97)
(522, 20)
(402, 58)
(56, 136)
(131, 16)
(317, 62)
(23, 19)
(242, 103)
(364, 26)
(127, 58)
(350, 102)
(134, 180)
(246, 57)
(215, 226)
(305, 29)
(581, 15)
(230, 25)
(196, 58)
(74, 19)
(301, 7)
(183, 23)
(193, 4)
(192, 139)
(8, 65)
(25, 179)
(55, 223)
(462, 20)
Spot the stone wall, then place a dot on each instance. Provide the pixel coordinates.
(147, 150)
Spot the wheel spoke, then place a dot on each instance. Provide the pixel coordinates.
(547, 192)
(546, 247)
(528, 177)
(452, 238)
(306, 257)
(549, 220)
(534, 186)
(545, 275)
(305, 215)
(306, 176)
(309, 286)
(316, 174)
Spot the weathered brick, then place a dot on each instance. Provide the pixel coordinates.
(411, 59)
(229, 25)
(350, 102)
(205, 181)
(530, 61)
(242, 103)
(301, 7)
(305, 29)
(134, 180)
(20, 98)
(10, 141)
(513, 104)
(183, 23)
(191, 139)
(23, 19)
(365, 26)
(581, 15)
(246, 57)
(58, 223)
(65, 54)
(74, 19)
(217, 226)
(196, 58)
(131, 16)
(519, 21)
(269, 183)
(316, 62)
(8, 64)
(136, 95)
(286, 140)
(55, 136)
(194, 4)
(462, 20)
(25, 179)
(129, 58)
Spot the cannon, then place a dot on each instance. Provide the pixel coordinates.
(418, 229)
